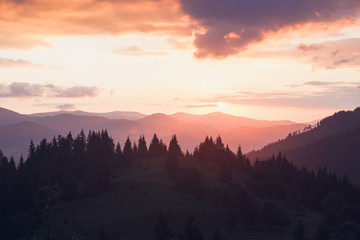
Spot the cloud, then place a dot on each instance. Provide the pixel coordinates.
(8, 62)
(23, 89)
(65, 107)
(73, 92)
(343, 53)
(318, 83)
(136, 51)
(179, 43)
(342, 95)
(201, 105)
(24, 24)
(230, 27)
(310, 47)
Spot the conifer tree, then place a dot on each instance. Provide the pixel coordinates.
(142, 147)
(162, 229)
(192, 231)
(299, 233)
(218, 143)
(21, 163)
(172, 165)
(240, 158)
(174, 148)
(163, 148)
(48, 197)
(127, 152)
(135, 150)
(79, 150)
(118, 155)
(31, 150)
(154, 147)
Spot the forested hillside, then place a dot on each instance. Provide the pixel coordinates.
(49, 194)
(333, 142)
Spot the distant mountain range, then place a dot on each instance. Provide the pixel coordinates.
(9, 117)
(110, 115)
(16, 130)
(334, 143)
(222, 121)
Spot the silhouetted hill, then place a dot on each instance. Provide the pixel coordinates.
(111, 115)
(8, 117)
(334, 144)
(222, 121)
(15, 138)
(340, 153)
(160, 118)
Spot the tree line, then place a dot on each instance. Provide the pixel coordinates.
(68, 167)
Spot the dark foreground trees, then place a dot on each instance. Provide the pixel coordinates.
(64, 162)
(162, 229)
(192, 230)
(267, 191)
(172, 165)
(299, 232)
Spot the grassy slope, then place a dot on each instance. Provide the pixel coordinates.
(128, 211)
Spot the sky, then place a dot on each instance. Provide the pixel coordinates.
(279, 59)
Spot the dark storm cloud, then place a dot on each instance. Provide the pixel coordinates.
(232, 25)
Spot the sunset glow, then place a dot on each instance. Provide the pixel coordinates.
(180, 119)
(177, 56)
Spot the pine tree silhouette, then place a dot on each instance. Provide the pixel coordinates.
(299, 233)
(127, 152)
(162, 229)
(192, 230)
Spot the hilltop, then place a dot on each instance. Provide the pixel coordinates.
(333, 142)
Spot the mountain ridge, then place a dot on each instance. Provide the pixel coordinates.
(189, 134)
(333, 143)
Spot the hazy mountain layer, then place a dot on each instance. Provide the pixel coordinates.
(191, 130)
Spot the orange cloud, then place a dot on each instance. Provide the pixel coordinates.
(23, 23)
(220, 28)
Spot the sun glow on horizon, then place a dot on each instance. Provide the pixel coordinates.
(221, 105)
